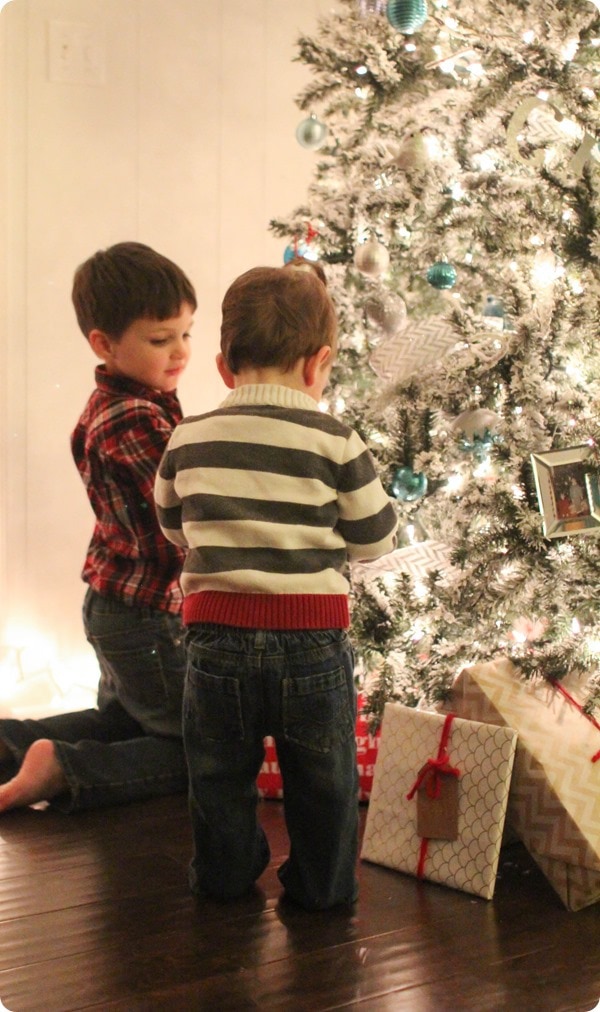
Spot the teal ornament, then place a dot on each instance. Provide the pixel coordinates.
(442, 275)
(408, 485)
(299, 249)
(407, 15)
(311, 133)
(480, 445)
(477, 431)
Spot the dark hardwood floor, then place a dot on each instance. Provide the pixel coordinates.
(95, 913)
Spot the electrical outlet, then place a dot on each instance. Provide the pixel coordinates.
(76, 53)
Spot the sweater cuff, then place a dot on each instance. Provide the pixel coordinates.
(268, 611)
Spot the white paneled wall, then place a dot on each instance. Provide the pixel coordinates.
(183, 139)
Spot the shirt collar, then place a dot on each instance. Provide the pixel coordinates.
(269, 393)
(121, 385)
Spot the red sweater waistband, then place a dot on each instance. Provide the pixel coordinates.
(268, 611)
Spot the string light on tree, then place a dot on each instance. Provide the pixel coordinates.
(545, 269)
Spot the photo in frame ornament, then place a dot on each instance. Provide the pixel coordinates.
(568, 490)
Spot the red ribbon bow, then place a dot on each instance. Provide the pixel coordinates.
(435, 767)
(433, 783)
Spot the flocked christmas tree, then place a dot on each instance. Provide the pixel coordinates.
(455, 205)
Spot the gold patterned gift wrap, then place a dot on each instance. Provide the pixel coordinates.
(554, 803)
(439, 798)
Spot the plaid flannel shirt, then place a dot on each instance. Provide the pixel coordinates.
(117, 445)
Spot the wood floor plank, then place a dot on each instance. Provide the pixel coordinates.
(95, 913)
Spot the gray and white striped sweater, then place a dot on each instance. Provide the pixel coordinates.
(272, 498)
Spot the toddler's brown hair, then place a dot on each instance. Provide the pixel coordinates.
(273, 316)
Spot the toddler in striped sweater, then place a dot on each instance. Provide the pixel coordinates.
(272, 498)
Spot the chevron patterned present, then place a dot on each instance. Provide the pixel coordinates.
(479, 757)
(554, 803)
(421, 342)
(415, 560)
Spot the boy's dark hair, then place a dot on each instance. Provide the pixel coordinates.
(302, 264)
(128, 282)
(273, 316)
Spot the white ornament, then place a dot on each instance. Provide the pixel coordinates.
(387, 311)
(413, 155)
(372, 258)
(474, 423)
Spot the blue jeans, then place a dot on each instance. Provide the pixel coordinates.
(130, 747)
(244, 684)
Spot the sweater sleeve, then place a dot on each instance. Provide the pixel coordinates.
(367, 518)
(168, 504)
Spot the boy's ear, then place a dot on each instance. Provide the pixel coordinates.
(101, 344)
(315, 364)
(225, 372)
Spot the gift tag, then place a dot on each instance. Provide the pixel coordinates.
(437, 817)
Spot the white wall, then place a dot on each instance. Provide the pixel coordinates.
(183, 139)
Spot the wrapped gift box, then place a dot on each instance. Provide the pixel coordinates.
(269, 781)
(554, 803)
(367, 748)
(483, 756)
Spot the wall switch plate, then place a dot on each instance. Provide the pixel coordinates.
(76, 53)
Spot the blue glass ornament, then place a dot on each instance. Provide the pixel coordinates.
(442, 275)
(299, 249)
(408, 485)
(407, 15)
(493, 306)
(493, 311)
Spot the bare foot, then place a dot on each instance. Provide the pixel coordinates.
(40, 778)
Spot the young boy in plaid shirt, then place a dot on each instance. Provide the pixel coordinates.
(135, 308)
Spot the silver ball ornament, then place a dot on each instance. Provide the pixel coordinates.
(388, 312)
(475, 422)
(372, 258)
(311, 133)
